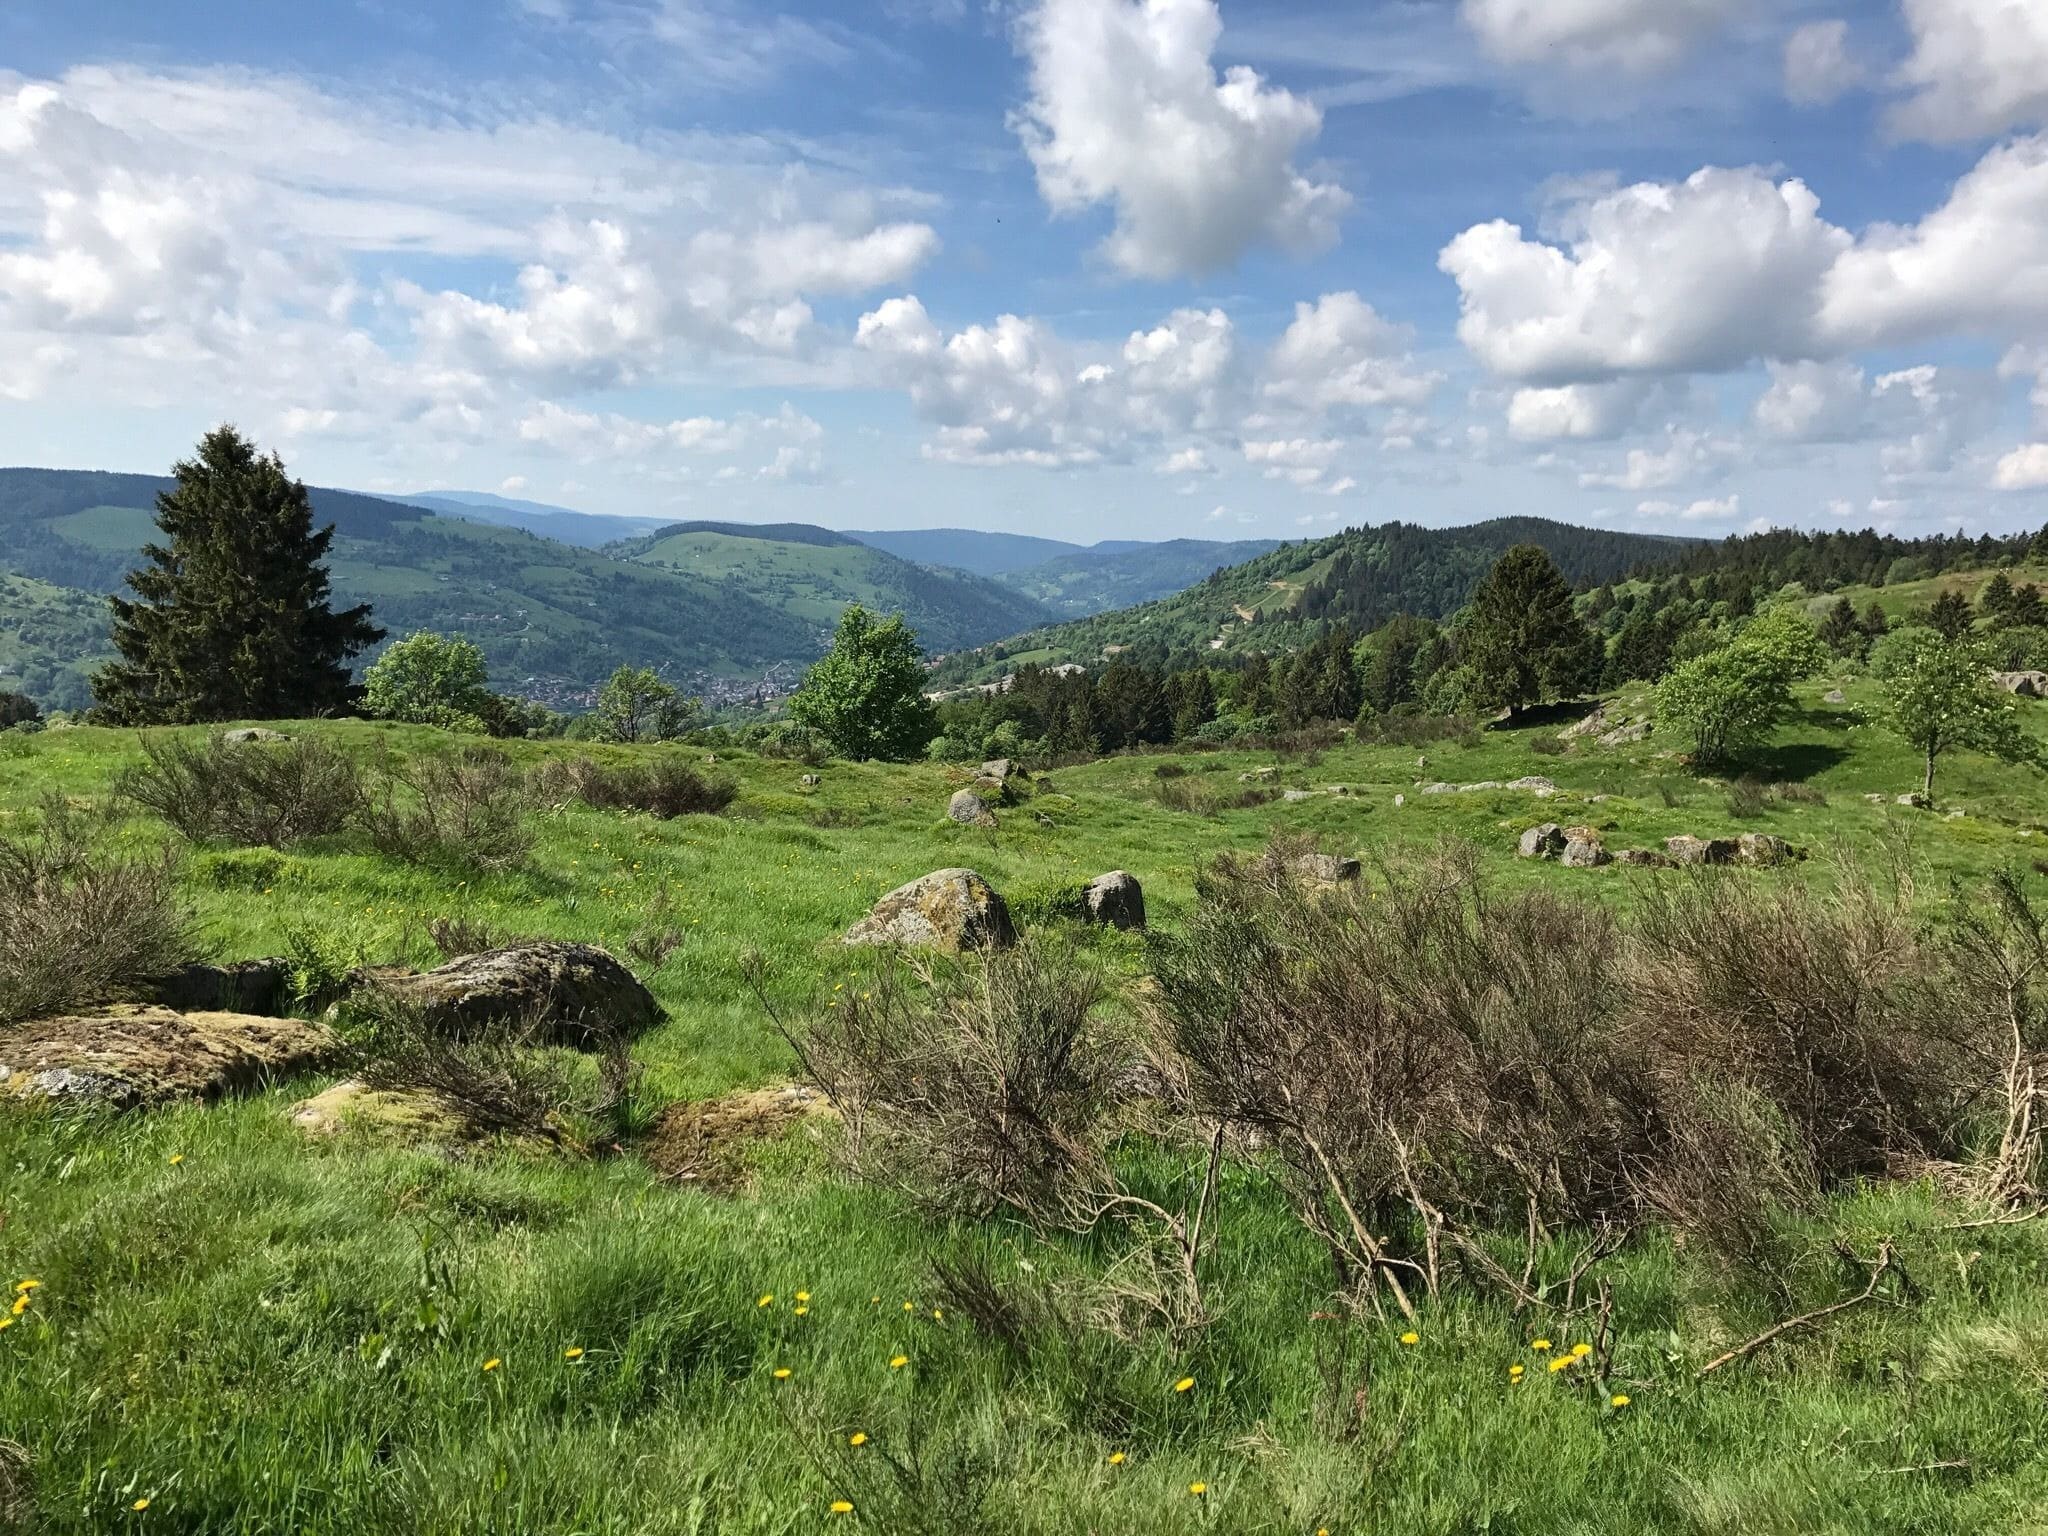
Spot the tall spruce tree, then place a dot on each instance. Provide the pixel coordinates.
(1524, 639)
(231, 618)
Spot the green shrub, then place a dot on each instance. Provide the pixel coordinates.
(1046, 901)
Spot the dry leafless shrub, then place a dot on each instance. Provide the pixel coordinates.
(1424, 1057)
(461, 808)
(80, 926)
(249, 793)
(663, 786)
(499, 1078)
(971, 1087)
(456, 938)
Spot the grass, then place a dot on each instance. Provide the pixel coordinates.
(255, 1333)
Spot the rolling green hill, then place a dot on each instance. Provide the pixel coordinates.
(1363, 577)
(50, 640)
(811, 574)
(1090, 581)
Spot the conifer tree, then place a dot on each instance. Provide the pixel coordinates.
(230, 618)
(1524, 639)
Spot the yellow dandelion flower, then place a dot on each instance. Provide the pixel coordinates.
(139, 1505)
(910, 1306)
(493, 1363)
(782, 1373)
(1185, 1384)
(1514, 1373)
(1411, 1338)
(800, 1311)
(6, 1323)
(177, 1158)
(858, 1437)
(1580, 1351)
(1561, 1362)
(1540, 1344)
(842, 1507)
(1116, 1458)
(28, 1285)
(803, 1295)
(20, 1305)
(1619, 1400)
(898, 1362)
(1198, 1489)
(874, 1301)
(573, 1352)
(938, 1316)
(767, 1299)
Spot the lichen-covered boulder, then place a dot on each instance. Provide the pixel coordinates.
(353, 1106)
(570, 994)
(1536, 784)
(249, 733)
(135, 1056)
(1324, 869)
(1687, 849)
(1116, 900)
(1642, 858)
(970, 810)
(1542, 842)
(1583, 853)
(949, 909)
(1001, 769)
(2028, 685)
(1763, 850)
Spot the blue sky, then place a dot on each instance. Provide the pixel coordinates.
(1087, 268)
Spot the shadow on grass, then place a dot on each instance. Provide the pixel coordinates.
(1796, 762)
(1559, 712)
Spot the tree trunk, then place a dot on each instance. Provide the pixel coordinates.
(1927, 784)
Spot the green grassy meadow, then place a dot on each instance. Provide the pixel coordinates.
(238, 1329)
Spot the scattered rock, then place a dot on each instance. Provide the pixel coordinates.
(1687, 849)
(572, 994)
(1642, 858)
(2028, 685)
(1399, 801)
(243, 986)
(1544, 842)
(135, 1056)
(249, 733)
(1116, 900)
(1001, 769)
(1624, 735)
(811, 780)
(705, 1143)
(1585, 725)
(1917, 800)
(1324, 868)
(949, 909)
(970, 810)
(352, 1105)
(1536, 784)
(1953, 816)
(1762, 850)
(1439, 789)
(1294, 795)
(1583, 853)
(1834, 696)
(1258, 776)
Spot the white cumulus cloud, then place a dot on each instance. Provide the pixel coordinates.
(1340, 353)
(1630, 37)
(2024, 469)
(1978, 68)
(1127, 110)
(1819, 67)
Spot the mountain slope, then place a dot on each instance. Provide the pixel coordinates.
(1363, 577)
(586, 530)
(1122, 575)
(967, 549)
(811, 574)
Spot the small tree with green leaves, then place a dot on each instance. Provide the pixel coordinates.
(866, 696)
(1727, 702)
(231, 617)
(1950, 616)
(430, 679)
(636, 705)
(1939, 695)
(1523, 638)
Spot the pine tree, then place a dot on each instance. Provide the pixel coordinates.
(231, 618)
(1950, 615)
(1996, 598)
(1523, 638)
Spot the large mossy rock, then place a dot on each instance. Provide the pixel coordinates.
(949, 909)
(132, 1057)
(1115, 900)
(352, 1107)
(569, 994)
(242, 986)
(969, 809)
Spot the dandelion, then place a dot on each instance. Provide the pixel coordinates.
(177, 1158)
(1580, 1351)
(1619, 1400)
(1116, 1458)
(1185, 1384)
(782, 1373)
(6, 1323)
(800, 1311)
(1514, 1373)
(803, 1295)
(1198, 1489)
(858, 1437)
(573, 1352)
(1561, 1362)
(139, 1505)
(898, 1362)
(842, 1506)
(938, 1316)
(910, 1306)
(493, 1363)
(20, 1305)
(874, 1301)
(1540, 1345)
(28, 1285)
(1411, 1338)
(767, 1299)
